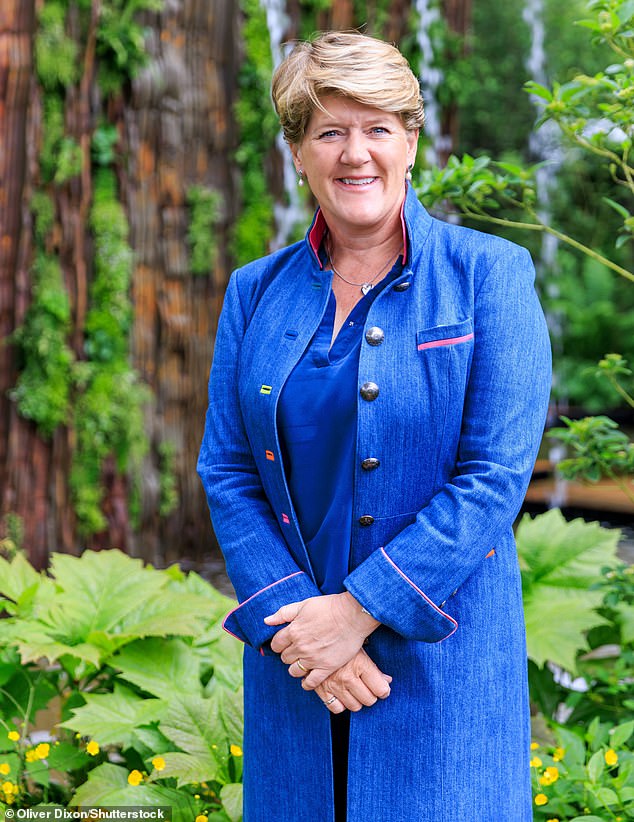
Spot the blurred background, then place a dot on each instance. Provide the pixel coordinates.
(140, 162)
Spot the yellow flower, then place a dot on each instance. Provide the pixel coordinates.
(92, 748)
(159, 763)
(31, 755)
(135, 777)
(558, 754)
(534, 746)
(536, 762)
(236, 750)
(196, 796)
(554, 819)
(42, 750)
(14, 736)
(541, 799)
(9, 787)
(201, 818)
(551, 774)
(611, 757)
(5, 769)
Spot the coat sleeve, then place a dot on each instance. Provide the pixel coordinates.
(405, 583)
(261, 569)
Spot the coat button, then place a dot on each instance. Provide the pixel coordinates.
(366, 519)
(369, 391)
(370, 463)
(374, 335)
(402, 286)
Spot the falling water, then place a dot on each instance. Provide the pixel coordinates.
(287, 214)
(430, 79)
(544, 145)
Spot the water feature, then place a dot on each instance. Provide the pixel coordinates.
(291, 211)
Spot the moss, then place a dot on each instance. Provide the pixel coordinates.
(258, 127)
(168, 496)
(204, 206)
(42, 392)
(55, 52)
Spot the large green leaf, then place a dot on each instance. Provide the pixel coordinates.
(231, 796)
(194, 725)
(23, 585)
(560, 561)
(107, 786)
(111, 719)
(162, 667)
(188, 769)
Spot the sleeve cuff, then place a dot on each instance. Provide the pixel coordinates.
(246, 621)
(396, 601)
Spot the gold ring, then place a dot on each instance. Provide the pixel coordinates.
(330, 701)
(301, 667)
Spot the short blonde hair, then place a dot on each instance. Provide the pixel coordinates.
(344, 64)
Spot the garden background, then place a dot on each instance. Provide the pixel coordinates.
(140, 162)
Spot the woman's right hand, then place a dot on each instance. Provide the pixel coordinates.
(356, 684)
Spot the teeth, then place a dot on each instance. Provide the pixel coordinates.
(362, 182)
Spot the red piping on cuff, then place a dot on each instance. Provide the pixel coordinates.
(446, 341)
(237, 608)
(425, 597)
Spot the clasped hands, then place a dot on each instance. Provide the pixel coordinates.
(322, 644)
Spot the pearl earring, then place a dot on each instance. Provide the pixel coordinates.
(300, 181)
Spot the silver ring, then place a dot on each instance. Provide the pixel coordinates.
(330, 701)
(301, 667)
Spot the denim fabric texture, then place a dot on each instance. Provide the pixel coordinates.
(464, 378)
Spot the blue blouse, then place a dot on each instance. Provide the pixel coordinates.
(317, 422)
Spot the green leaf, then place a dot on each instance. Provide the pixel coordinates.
(560, 561)
(111, 719)
(66, 757)
(231, 797)
(39, 772)
(590, 818)
(607, 796)
(194, 725)
(621, 733)
(231, 714)
(163, 667)
(188, 769)
(108, 785)
(626, 622)
(572, 744)
(595, 766)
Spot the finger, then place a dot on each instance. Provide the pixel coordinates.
(349, 701)
(280, 642)
(362, 693)
(286, 613)
(376, 682)
(315, 678)
(333, 703)
(296, 670)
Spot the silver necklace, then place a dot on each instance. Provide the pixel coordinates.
(368, 285)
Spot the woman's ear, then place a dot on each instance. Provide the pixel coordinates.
(412, 145)
(295, 151)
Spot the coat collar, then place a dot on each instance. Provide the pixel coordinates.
(415, 221)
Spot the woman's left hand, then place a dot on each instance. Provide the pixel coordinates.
(323, 633)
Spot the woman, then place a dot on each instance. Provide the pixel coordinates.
(376, 401)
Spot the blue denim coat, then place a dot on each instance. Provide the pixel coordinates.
(463, 378)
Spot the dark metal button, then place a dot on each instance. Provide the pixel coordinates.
(366, 519)
(402, 286)
(374, 335)
(370, 463)
(369, 391)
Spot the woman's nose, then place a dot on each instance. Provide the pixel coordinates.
(355, 150)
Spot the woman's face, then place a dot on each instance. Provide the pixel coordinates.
(355, 159)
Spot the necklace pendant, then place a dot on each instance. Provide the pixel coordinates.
(366, 287)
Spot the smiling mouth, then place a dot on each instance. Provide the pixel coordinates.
(357, 181)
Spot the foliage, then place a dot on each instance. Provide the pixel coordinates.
(599, 449)
(204, 205)
(257, 126)
(121, 41)
(149, 687)
(168, 490)
(42, 391)
(56, 54)
(558, 560)
(585, 777)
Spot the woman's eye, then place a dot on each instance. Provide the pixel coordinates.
(379, 130)
(330, 133)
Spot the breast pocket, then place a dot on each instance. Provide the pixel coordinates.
(445, 335)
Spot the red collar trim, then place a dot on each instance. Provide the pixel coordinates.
(319, 227)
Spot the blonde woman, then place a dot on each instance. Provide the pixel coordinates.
(376, 401)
